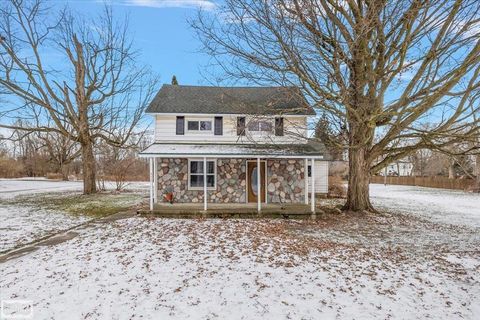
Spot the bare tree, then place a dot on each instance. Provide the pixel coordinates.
(476, 116)
(379, 68)
(61, 150)
(122, 164)
(76, 77)
(29, 152)
(115, 164)
(58, 150)
(334, 138)
(477, 173)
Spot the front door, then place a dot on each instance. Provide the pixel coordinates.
(252, 187)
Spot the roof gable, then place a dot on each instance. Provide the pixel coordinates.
(230, 100)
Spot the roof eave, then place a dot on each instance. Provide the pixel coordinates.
(233, 155)
(233, 114)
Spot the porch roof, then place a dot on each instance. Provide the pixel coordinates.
(307, 150)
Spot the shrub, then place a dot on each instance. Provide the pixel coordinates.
(11, 168)
(54, 176)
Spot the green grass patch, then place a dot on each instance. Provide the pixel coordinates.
(97, 205)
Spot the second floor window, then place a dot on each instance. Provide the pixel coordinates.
(201, 125)
(260, 125)
(279, 126)
(241, 126)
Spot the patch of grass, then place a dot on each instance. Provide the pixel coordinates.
(97, 205)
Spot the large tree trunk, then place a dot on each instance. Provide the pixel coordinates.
(477, 173)
(358, 195)
(64, 169)
(88, 162)
(451, 169)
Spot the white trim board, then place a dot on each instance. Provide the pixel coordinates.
(229, 114)
(226, 156)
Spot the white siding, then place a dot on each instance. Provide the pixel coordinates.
(321, 177)
(164, 126)
(295, 127)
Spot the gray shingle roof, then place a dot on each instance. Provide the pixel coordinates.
(230, 100)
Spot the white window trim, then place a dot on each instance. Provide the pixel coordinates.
(200, 132)
(189, 187)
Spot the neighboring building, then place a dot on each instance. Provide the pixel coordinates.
(400, 168)
(230, 132)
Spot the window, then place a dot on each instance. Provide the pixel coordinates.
(193, 125)
(180, 126)
(218, 130)
(241, 126)
(279, 126)
(260, 125)
(195, 174)
(309, 170)
(203, 125)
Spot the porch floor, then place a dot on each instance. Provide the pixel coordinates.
(230, 210)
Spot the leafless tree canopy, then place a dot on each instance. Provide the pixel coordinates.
(71, 75)
(380, 69)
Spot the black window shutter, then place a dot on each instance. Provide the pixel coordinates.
(218, 126)
(180, 126)
(279, 126)
(241, 126)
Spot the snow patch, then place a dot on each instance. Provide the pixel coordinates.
(441, 205)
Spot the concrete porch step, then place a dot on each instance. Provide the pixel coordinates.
(286, 211)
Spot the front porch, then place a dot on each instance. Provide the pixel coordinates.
(220, 179)
(230, 210)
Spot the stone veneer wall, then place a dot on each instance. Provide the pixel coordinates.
(285, 181)
(173, 177)
(230, 181)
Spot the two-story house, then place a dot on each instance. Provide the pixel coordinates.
(234, 145)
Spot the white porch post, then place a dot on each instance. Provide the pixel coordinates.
(151, 183)
(259, 188)
(155, 180)
(313, 186)
(306, 180)
(205, 183)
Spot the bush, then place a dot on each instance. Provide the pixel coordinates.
(11, 168)
(54, 176)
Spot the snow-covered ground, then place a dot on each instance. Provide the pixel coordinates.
(10, 188)
(22, 220)
(410, 265)
(441, 205)
(13, 187)
(20, 223)
(23, 224)
(216, 269)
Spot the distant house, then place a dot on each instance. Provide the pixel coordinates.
(400, 168)
(211, 141)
